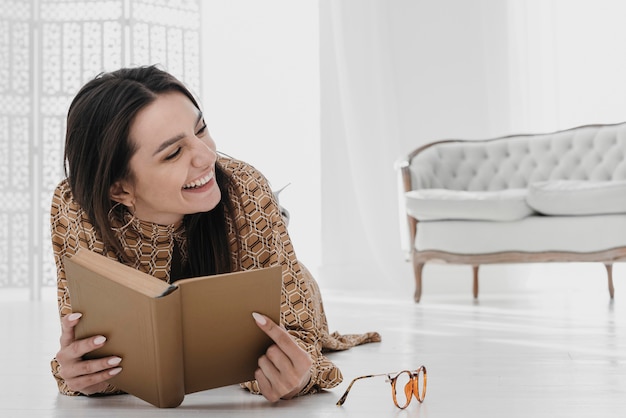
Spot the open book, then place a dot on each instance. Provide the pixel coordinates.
(175, 339)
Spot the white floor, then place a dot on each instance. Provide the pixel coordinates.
(539, 354)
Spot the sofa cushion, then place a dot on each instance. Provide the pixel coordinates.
(577, 197)
(440, 204)
(534, 234)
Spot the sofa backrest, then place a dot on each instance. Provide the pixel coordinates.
(592, 152)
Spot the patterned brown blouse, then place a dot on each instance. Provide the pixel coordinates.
(264, 242)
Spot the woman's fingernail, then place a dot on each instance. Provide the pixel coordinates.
(260, 319)
(114, 361)
(74, 316)
(99, 340)
(115, 371)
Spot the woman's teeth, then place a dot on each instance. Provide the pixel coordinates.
(199, 183)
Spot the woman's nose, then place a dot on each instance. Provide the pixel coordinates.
(203, 155)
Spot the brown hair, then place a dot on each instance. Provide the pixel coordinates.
(98, 150)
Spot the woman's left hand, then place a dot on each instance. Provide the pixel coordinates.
(285, 368)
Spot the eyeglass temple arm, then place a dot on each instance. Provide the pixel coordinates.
(345, 395)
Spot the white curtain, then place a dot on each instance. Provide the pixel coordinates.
(359, 141)
(397, 74)
(567, 63)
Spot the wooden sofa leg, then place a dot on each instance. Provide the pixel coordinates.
(475, 287)
(609, 270)
(417, 268)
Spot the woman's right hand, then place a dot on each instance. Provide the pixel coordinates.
(84, 376)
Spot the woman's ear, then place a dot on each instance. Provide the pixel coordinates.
(121, 192)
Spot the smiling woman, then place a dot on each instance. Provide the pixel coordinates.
(173, 165)
(146, 186)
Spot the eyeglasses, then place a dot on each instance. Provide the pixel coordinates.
(409, 381)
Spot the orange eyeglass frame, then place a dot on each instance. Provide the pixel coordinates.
(412, 388)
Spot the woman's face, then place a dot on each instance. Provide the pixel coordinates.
(173, 168)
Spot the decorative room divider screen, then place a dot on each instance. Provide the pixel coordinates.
(48, 50)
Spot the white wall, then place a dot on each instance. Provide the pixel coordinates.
(261, 100)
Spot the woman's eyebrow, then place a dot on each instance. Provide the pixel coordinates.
(169, 142)
(176, 138)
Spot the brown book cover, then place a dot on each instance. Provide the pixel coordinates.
(194, 335)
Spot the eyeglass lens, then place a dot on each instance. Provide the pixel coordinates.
(408, 384)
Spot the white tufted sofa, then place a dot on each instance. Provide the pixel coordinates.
(522, 198)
